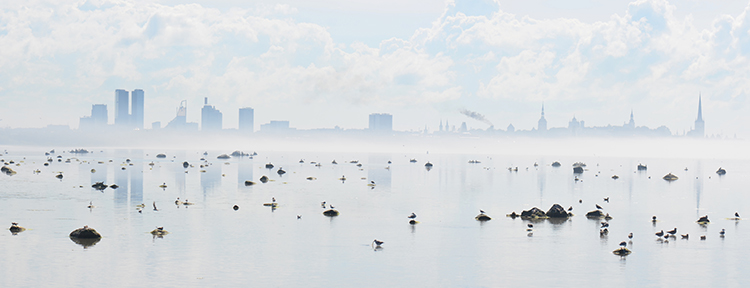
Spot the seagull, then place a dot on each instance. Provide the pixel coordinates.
(606, 199)
(481, 211)
(530, 225)
(377, 243)
(630, 236)
(673, 231)
(685, 236)
(155, 206)
(598, 207)
(736, 214)
(412, 216)
(605, 224)
(721, 233)
(299, 216)
(660, 233)
(623, 244)
(570, 208)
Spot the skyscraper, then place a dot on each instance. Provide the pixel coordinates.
(122, 115)
(210, 117)
(381, 122)
(542, 122)
(99, 114)
(136, 117)
(246, 119)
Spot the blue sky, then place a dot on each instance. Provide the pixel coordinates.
(324, 63)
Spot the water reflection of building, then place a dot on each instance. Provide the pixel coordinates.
(698, 188)
(136, 178)
(377, 172)
(121, 179)
(244, 172)
(211, 178)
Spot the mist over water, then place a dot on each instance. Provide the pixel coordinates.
(211, 244)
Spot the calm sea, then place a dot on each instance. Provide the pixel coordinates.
(295, 245)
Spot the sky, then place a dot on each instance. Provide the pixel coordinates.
(326, 63)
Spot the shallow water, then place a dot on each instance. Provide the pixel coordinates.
(211, 244)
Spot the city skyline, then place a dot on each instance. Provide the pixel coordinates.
(423, 62)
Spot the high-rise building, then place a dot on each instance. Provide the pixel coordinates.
(136, 116)
(122, 114)
(246, 119)
(275, 126)
(99, 114)
(542, 122)
(381, 122)
(210, 117)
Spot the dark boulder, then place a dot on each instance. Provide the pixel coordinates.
(249, 183)
(557, 211)
(264, 179)
(533, 213)
(85, 233)
(483, 217)
(331, 213)
(99, 186)
(578, 169)
(596, 214)
(185, 164)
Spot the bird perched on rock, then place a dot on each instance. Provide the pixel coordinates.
(736, 214)
(412, 216)
(605, 224)
(481, 211)
(598, 207)
(570, 208)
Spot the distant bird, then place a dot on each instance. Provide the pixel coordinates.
(91, 205)
(653, 218)
(377, 243)
(481, 211)
(685, 236)
(530, 225)
(722, 232)
(177, 202)
(660, 233)
(703, 237)
(330, 206)
(235, 207)
(630, 236)
(603, 232)
(570, 208)
(673, 231)
(155, 206)
(580, 200)
(323, 204)
(598, 207)
(139, 210)
(299, 216)
(606, 199)
(605, 224)
(273, 199)
(736, 214)
(623, 244)
(412, 216)
(343, 178)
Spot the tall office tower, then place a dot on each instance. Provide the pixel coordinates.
(210, 117)
(381, 122)
(246, 119)
(99, 115)
(542, 125)
(122, 116)
(136, 117)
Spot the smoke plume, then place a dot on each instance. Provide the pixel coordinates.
(476, 116)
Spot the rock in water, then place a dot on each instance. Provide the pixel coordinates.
(533, 213)
(483, 217)
(622, 251)
(264, 179)
(595, 214)
(557, 211)
(85, 233)
(331, 213)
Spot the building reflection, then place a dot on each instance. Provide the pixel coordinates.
(377, 170)
(136, 177)
(121, 179)
(244, 172)
(698, 184)
(211, 178)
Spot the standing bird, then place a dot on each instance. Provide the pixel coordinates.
(673, 231)
(623, 244)
(481, 211)
(155, 206)
(91, 205)
(605, 224)
(685, 236)
(412, 216)
(598, 207)
(570, 208)
(736, 214)
(273, 199)
(653, 218)
(323, 204)
(299, 217)
(722, 232)
(660, 233)
(377, 243)
(630, 236)
(606, 199)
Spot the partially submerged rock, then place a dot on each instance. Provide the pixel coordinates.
(482, 217)
(721, 171)
(596, 214)
(513, 215)
(7, 170)
(622, 251)
(159, 232)
(331, 213)
(533, 213)
(703, 220)
(670, 177)
(249, 183)
(85, 233)
(557, 211)
(99, 186)
(264, 179)
(14, 228)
